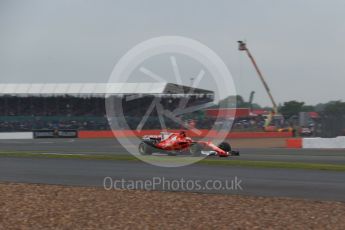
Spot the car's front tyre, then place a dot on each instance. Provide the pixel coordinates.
(225, 146)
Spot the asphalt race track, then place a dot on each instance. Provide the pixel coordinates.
(112, 146)
(324, 185)
(265, 182)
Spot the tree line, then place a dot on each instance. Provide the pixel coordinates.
(289, 108)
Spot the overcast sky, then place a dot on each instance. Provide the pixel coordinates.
(299, 44)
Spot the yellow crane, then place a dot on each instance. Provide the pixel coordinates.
(242, 46)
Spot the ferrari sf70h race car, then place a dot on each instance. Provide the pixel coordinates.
(179, 143)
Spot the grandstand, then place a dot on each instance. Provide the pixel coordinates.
(25, 107)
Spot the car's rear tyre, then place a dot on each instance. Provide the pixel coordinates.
(195, 149)
(145, 149)
(225, 146)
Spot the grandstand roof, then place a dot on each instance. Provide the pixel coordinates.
(97, 89)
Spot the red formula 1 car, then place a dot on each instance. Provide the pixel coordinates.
(176, 143)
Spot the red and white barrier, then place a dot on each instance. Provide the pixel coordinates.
(16, 135)
(316, 143)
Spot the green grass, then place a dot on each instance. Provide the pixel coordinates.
(207, 161)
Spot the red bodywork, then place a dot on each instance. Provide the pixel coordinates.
(180, 142)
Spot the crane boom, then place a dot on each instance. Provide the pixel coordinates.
(243, 47)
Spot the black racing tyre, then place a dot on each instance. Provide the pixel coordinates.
(195, 149)
(145, 149)
(225, 146)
